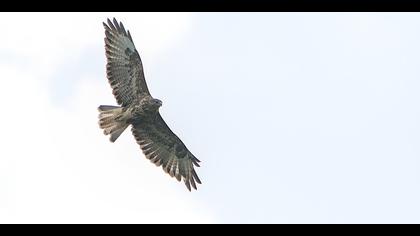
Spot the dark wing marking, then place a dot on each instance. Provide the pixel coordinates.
(124, 67)
(162, 147)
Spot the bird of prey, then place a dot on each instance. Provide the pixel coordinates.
(139, 109)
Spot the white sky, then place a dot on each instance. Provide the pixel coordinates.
(296, 117)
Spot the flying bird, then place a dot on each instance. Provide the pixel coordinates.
(139, 109)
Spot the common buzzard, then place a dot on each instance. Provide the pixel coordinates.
(140, 110)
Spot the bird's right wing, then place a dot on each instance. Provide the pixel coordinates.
(124, 67)
(163, 147)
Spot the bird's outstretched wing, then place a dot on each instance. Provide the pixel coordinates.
(162, 147)
(124, 68)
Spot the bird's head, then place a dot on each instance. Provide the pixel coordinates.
(156, 103)
(150, 104)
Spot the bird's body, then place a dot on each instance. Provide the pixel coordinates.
(140, 110)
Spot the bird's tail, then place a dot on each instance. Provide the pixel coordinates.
(111, 121)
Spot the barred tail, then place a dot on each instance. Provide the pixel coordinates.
(109, 122)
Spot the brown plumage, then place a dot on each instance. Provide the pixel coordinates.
(140, 110)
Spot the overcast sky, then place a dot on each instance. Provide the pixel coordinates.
(296, 117)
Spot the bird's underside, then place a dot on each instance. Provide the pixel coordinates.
(140, 110)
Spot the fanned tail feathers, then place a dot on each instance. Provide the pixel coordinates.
(109, 122)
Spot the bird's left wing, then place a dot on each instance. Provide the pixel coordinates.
(162, 147)
(124, 67)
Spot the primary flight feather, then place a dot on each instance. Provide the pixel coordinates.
(140, 110)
